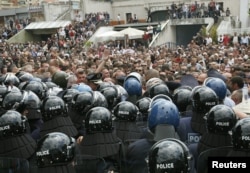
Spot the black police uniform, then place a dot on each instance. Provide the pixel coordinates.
(56, 119)
(100, 142)
(55, 153)
(126, 114)
(15, 141)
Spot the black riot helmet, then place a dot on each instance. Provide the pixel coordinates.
(10, 79)
(31, 100)
(25, 77)
(98, 120)
(111, 95)
(12, 100)
(39, 88)
(67, 94)
(169, 155)
(3, 91)
(241, 134)
(220, 119)
(54, 91)
(122, 93)
(126, 111)
(20, 86)
(13, 88)
(53, 106)
(12, 123)
(181, 98)
(32, 103)
(143, 104)
(55, 149)
(20, 73)
(50, 84)
(104, 85)
(203, 99)
(159, 89)
(82, 102)
(99, 99)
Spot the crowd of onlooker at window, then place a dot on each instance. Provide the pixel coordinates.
(97, 17)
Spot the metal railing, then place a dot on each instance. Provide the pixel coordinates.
(156, 37)
(170, 45)
(63, 14)
(231, 31)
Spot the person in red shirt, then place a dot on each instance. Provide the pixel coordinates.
(226, 40)
(146, 38)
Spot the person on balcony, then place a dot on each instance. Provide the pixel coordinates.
(135, 19)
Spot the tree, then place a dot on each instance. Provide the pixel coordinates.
(213, 33)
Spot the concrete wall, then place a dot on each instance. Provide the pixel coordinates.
(243, 16)
(122, 8)
(90, 6)
(52, 11)
(23, 37)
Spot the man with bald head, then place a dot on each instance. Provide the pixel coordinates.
(119, 77)
(152, 73)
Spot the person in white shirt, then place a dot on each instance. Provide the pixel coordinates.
(220, 39)
(242, 107)
(235, 39)
(62, 33)
(119, 19)
(244, 40)
(185, 10)
(209, 40)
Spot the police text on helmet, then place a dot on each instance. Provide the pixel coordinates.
(222, 123)
(95, 121)
(55, 107)
(123, 112)
(210, 103)
(4, 128)
(245, 138)
(164, 165)
(42, 153)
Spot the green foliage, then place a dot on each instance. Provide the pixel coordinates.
(213, 34)
(88, 44)
(203, 31)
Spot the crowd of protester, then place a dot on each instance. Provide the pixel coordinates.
(12, 27)
(139, 72)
